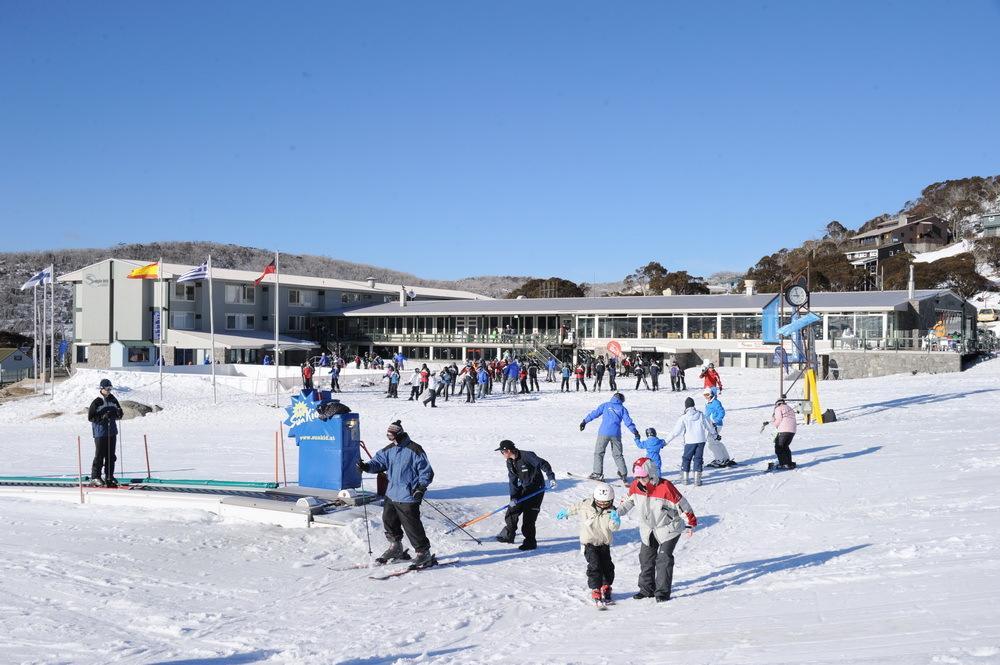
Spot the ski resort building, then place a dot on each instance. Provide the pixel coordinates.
(116, 320)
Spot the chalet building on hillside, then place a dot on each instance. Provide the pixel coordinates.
(990, 224)
(905, 233)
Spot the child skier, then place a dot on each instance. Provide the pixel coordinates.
(652, 445)
(717, 413)
(598, 522)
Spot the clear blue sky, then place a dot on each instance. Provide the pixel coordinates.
(449, 139)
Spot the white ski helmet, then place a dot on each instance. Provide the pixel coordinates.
(604, 492)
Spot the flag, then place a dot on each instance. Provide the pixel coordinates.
(269, 269)
(42, 277)
(152, 271)
(193, 275)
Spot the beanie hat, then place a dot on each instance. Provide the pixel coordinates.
(396, 428)
(688, 403)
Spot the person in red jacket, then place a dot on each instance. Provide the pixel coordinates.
(307, 376)
(580, 381)
(663, 515)
(711, 377)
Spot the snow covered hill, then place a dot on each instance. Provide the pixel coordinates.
(880, 548)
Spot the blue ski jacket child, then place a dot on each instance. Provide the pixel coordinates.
(653, 445)
(715, 412)
(551, 363)
(612, 413)
(407, 466)
(566, 372)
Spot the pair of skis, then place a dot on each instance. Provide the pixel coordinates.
(396, 567)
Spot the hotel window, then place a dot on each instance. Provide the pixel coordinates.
(184, 291)
(617, 325)
(239, 294)
(300, 298)
(138, 354)
(740, 326)
(663, 327)
(239, 322)
(182, 320)
(297, 323)
(585, 327)
(702, 327)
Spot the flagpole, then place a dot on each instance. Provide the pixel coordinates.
(41, 349)
(277, 288)
(34, 333)
(159, 357)
(52, 326)
(211, 327)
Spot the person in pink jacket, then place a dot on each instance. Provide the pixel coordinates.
(783, 420)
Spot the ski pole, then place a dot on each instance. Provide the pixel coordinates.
(368, 534)
(457, 525)
(501, 508)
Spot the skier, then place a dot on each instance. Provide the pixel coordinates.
(612, 371)
(640, 376)
(711, 377)
(675, 376)
(696, 429)
(439, 387)
(533, 377)
(598, 522)
(550, 367)
(566, 372)
(393, 383)
(414, 383)
(513, 372)
(580, 380)
(663, 514)
(469, 381)
(613, 413)
(425, 377)
(335, 379)
(783, 419)
(654, 375)
(717, 413)
(410, 474)
(526, 473)
(103, 413)
(652, 445)
(599, 368)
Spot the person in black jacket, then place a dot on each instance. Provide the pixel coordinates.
(526, 472)
(103, 414)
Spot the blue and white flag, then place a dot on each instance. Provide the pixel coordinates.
(193, 275)
(43, 277)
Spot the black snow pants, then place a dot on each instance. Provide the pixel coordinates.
(104, 457)
(528, 512)
(600, 569)
(781, 447)
(404, 517)
(656, 567)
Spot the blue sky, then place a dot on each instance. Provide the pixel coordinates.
(449, 139)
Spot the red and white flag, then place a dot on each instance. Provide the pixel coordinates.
(269, 269)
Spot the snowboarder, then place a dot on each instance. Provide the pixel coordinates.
(711, 377)
(410, 474)
(613, 413)
(783, 420)
(663, 514)
(103, 413)
(717, 413)
(696, 429)
(598, 522)
(526, 473)
(652, 445)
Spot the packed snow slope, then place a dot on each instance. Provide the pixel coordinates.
(882, 547)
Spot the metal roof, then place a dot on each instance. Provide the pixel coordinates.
(828, 301)
(171, 270)
(249, 339)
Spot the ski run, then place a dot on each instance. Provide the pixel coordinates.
(881, 547)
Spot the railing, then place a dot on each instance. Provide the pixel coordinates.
(459, 338)
(905, 342)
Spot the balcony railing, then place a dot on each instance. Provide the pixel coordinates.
(907, 341)
(461, 338)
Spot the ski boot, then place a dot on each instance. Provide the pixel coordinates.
(96, 482)
(697, 478)
(394, 553)
(730, 462)
(596, 476)
(687, 477)
(716, 464)
(606, 595)
(424, 560)
(597, 598)
(110, 482)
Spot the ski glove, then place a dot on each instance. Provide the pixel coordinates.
(362, 465)
(562, 514)
(418, 493)
(553, 484)
(513, 502)
(615, 518)
(583, 425)
(718, 437)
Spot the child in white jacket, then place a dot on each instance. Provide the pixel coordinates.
(598, 522)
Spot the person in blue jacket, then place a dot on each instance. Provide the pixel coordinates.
(652, 444)
(267, 360)
(483, 379)
(612, 413)
(513, 370)
(104, 414)
(410, 474)
(566, 373)
(717, 413)
(550, 365)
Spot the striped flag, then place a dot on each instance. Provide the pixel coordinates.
(193, 275)
(151, 271)
(42, 277)
(269, 269)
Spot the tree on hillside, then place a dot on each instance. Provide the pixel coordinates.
(553, 287)
(957, 273)
(987, 251)
(653, 278)
(828, 268)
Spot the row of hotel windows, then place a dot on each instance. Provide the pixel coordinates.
(186, 321)
(245, 294)
(708, 326)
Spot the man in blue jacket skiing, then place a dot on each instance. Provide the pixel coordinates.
(612, 413)
(410, 474)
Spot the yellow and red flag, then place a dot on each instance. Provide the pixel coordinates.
(152, 271)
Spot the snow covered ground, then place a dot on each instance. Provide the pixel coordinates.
(881, 548)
